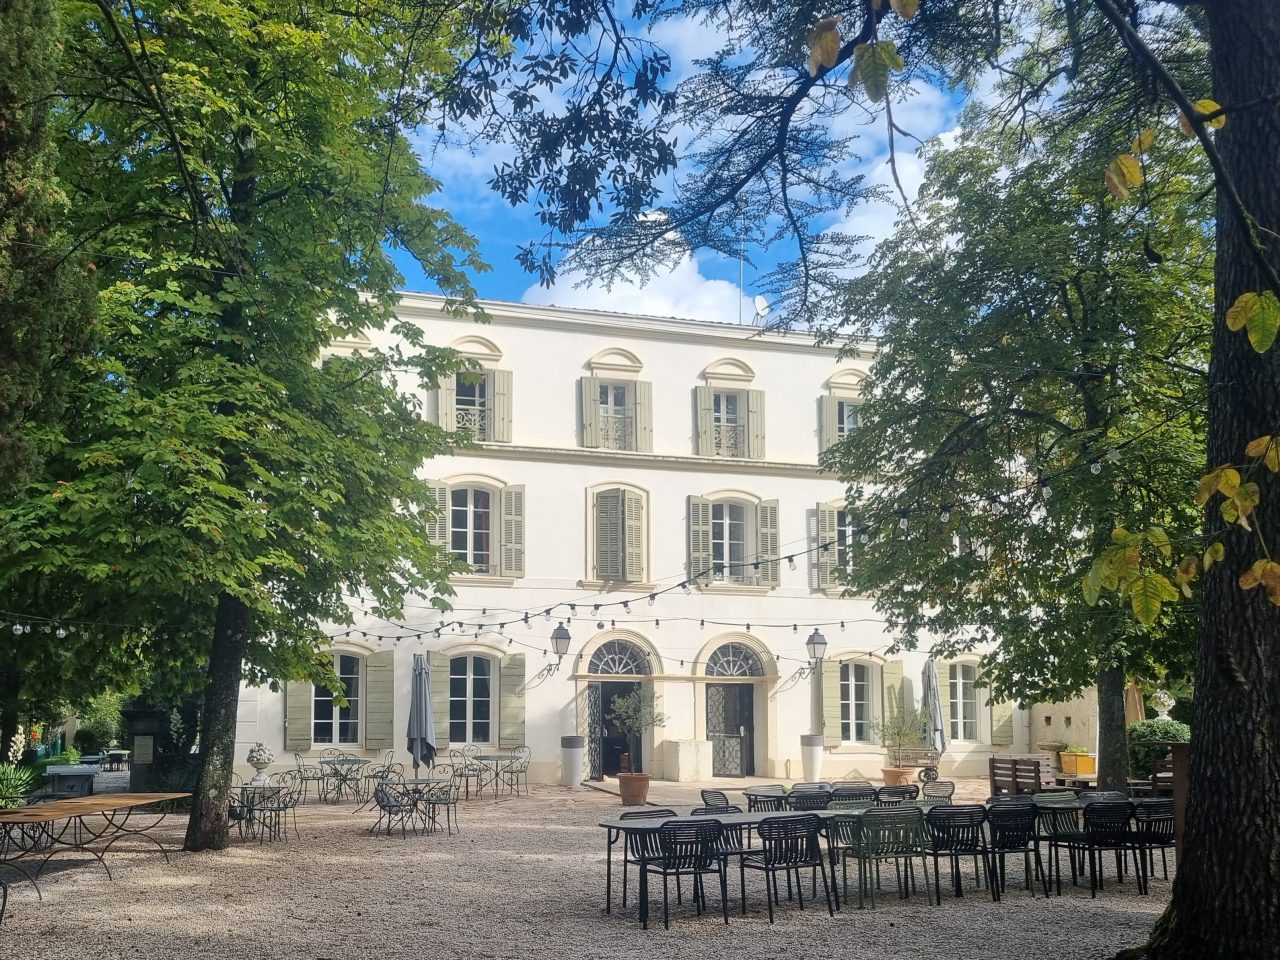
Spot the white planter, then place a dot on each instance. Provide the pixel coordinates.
(811, 750)
(572, 751)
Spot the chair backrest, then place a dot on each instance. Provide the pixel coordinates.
(300, 763)
(767, 804)
(938, 790)
(1154, 819)
(714, 798)
(1012, 826)
(819, 785)
(647, 813)
(330, 753)
(1055, 796)
(389, 798)
(889, 796)
(956, 826)
(1107, 821)
(645, 844)
(841, 803)
(712, 811)
(854, 793)
(893, 831)
(808, 799)
(851, 785)
(470, 751)
(689, 844)
(790, 841)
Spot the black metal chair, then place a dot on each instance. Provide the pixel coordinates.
(1153, 823)
(442, 796)
(766, 804)
(515, 773)
(892, 796)
(956, 831)
(713, 811)
(808, 799)
(851, 785)
(937, 791)
(714, 798)
(853, 792)
(310, 773)
(639, 846)
(685, 848)
(395, 806)
(891, 833)
(787, 845)
(1012, 829)
(819, 785)
(1107, 827)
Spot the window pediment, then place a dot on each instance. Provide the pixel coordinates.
(728, 371)
(615, 362)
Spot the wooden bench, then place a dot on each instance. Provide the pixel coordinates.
(1019, 773)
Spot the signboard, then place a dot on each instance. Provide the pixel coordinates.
(144, 749)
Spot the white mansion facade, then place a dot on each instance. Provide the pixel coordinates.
(669, 464)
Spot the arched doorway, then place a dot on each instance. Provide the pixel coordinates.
(617, 660)
(731, 709)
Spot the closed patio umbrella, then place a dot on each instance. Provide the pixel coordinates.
(422, 724)
(931, 704)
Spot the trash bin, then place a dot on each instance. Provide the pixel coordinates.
(571, 753)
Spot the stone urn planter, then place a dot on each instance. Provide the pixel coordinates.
(260, 757)
(633, 788)
(898, 776)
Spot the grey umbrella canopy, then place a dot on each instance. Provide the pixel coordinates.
(422, 724)
(931, 704)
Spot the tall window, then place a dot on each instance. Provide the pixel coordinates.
(471, 405)
(331, 723)
(728, 421)
(964, 701)
(846, 418)
(471, 527)
(729, 541)
(855, 702)
(470, 700)
(843, 537)
(617, 428)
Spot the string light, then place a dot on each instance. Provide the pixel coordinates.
(902, 520)
(626, 606)
(1046, 491)
(652, 597)
(945, 515)
(1095, 468)
(685, 587)
(791, 562)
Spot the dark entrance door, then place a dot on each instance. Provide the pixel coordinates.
(605, 743)
(730, 727)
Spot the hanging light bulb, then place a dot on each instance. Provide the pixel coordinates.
(864, 536)
(902, 520)
(1113, 455)
(656, 624)
(626, 606)
(795, 628)
(945, 515)
(1095, 468)
(685, 587)
(546, 614)
(1046, 491)
(60, 633)
(702, 624)
(652, 597)
(791, 562)
(17, 629)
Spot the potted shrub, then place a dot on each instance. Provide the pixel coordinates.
(634, 715)
(1078, 762)
(901, 730)
(1149, 741)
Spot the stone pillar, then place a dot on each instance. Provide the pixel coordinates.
(143, 725)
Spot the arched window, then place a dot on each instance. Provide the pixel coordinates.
(471, 692)
(734, 660)
(620, 658)
(331, 723)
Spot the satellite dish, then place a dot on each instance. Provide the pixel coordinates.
(762, 307)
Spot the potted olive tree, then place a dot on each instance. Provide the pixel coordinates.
(633, 715)
(901, 731)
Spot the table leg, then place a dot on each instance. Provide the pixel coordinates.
(611, 837)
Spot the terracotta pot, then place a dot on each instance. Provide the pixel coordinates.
(896, 776)
(634, 788)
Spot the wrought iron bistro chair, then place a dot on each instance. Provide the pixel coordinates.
(440, 796)
(714, 798)
(638, 846)
(892, 796)
(281, 807)
(686, 848)
(395, 808)
(1012, 828)
(787, 845)
(515, 771)
(309, 773)
(897, 834)
(955, 832)
(1153, 820)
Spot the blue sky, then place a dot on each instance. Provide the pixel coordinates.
(705, 286)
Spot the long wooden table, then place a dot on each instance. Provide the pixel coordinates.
(71, 825)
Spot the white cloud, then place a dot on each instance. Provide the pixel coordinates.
(682, 291)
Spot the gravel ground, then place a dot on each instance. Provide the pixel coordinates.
(524, 878)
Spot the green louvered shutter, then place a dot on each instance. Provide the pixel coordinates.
(511, 683)
(438, 525)
(891, 678)
(500, 421)
(447, 399)
(1002, 723)
(512, 559)
(700, 539)
(610, 534)
(755, 424)
(589, 400)
(702, 407)
(831, 735)
(297, 716)
(379, 700)
(767, 542)
(828, 407)
(828, 558)
(439, 664)
(642, 415)
(633, 536)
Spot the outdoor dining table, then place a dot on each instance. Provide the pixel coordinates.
(420, 790)
(252, 797)
(346, 775)
(493, 763)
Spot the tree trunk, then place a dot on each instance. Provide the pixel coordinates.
(1224, 899)
(1113, 742)
(208, 827)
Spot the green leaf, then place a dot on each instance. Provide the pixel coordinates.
(1092, 583)
(1239, 312)
(1214, 553)
(1264, 322)
(873, 64)
(906, 9)
(1149, 592)
(1160, 540)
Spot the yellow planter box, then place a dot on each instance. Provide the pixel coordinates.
(1078, 764)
